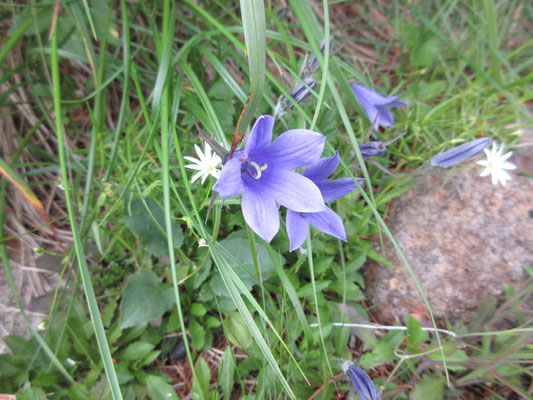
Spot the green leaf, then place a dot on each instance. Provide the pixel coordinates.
(240, 259)
(158, 388)
(415, 334)
(197, 332)
(200, 385)
(456, 356)
(135, 351)
(31, 394)
(145, 218)
(198, 309)
(212, 322)
(426, 91)
(237, 331)
(228, 371)
(426, 52)
(381, 352)
(109, 312)
(253, 23)
(144, 299)
(322, 264)
(353, 292)
(308, 290)
(149, 358)
(430, 388)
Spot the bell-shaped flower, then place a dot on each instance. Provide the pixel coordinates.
(263, 173)
(372, 149)
(376, 106)
(461, 152)
(361, 382)
(327, 221)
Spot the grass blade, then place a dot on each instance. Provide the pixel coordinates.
(80, 253)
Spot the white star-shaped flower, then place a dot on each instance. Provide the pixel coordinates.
(206, 165)
(496, 164)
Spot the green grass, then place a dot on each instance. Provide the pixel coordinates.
(111, 93)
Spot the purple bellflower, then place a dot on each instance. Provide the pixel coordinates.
(376, 106)
(262, 172)
(377, 148)
(372, 149)
(361, 382)
(460, 153)
(327, 221)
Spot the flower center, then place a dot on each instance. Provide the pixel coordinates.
(254, 169)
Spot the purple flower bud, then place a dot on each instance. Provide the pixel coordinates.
(313, 64)
(372, 149)
(460, 153)
(301, 91)
(361, 382)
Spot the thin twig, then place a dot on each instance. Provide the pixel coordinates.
(387, 327)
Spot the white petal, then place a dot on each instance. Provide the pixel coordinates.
(494, 179)
(199, 152)
(196, 176)
(192, 159)
(485, 172)
(506, 165)
(195, 167)
(506, 156)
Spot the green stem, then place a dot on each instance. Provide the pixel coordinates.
(80, 254)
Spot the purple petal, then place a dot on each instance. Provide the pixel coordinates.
(398, 103)
(385, 116)
(328, 222)
(260, 213)
(363, 93)
(301, 91)
(460, 153)
(333, 190)
(289, 189)
(293, 149)
(297, 229)
(370, 110)
(261, 135)
(322, 169)
(362, 383)
(230, 182)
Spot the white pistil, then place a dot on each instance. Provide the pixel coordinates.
(258, 169)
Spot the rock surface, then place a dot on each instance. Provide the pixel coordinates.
(464, 238)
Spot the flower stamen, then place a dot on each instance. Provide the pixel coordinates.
(258, 168)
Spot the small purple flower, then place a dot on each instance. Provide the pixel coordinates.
(326, 221)
(372, 149)
(361, 382)
(460, 153)
(262, 172)
(376, 106)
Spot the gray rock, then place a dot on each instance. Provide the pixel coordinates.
(464, 238)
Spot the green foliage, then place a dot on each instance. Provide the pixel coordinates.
(158, 388)
(144, 299)
(145, 219)
(126, 101)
